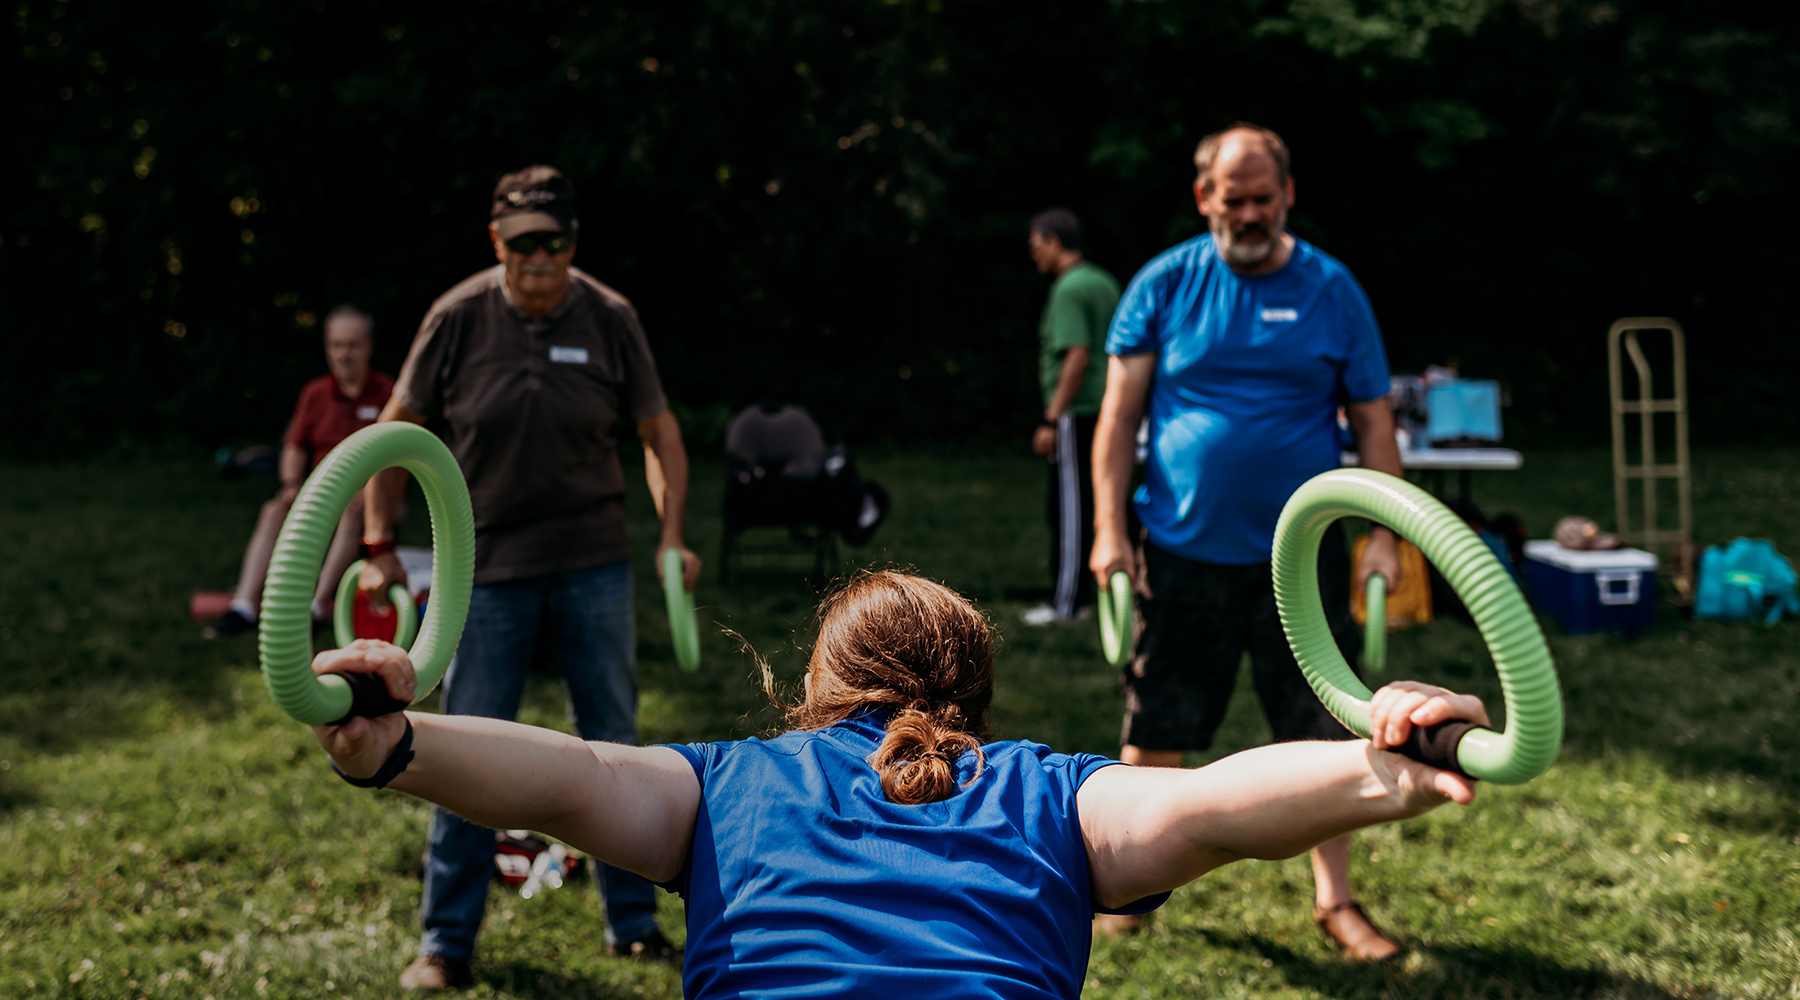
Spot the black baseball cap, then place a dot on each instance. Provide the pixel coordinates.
(537, 199)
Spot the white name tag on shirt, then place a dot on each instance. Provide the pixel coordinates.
(569, 355)
(367, 412)
(1280, 315)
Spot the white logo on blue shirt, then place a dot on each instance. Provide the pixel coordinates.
(569, 355)
(1280, 315)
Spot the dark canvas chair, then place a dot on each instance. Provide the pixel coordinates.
(779, 473)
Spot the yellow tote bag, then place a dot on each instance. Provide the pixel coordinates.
(1407, 605)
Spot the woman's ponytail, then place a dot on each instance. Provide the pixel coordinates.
(898, 643)
(917, 760)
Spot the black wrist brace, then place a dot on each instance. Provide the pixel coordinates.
(396, 762)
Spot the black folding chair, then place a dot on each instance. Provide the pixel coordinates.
(780, 474)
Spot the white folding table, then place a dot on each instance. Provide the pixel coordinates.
(1435, 462)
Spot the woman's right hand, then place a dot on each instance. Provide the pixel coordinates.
(1398, 707)
(1402, 705)
(360, 746)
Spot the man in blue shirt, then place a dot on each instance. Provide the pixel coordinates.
(1239, 346)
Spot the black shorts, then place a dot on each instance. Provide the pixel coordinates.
(1195, 622)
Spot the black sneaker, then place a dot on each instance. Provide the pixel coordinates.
(652, 947)
(233, 623)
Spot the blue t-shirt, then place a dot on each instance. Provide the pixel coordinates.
(1250, 372)
(805, 881)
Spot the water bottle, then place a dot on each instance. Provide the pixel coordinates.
(547, 871)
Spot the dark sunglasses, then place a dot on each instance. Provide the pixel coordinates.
(527, 244)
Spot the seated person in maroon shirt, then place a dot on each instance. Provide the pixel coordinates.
(331, 408)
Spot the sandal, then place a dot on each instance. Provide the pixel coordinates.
(1117, 925)
(1351, 930)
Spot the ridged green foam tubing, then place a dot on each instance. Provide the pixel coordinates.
(1534, 715)
(285, 643)
(1375, 624)
(684, 628)
(1114, 611)
(344, 608)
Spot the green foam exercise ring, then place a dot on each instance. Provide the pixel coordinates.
(1534, 712)
(285, 642)
(683, 624)
(344, 608)
(1114, 611)
(1375, 624)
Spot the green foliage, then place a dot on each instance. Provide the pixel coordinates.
(164, 832)
(1401, 28)
(1441, 126)
(825, 203)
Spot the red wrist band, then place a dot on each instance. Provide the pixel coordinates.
(373, 549)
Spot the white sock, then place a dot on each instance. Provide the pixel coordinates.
(244, 608)
(318, 611)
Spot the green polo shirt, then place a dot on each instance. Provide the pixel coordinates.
(1078, 312)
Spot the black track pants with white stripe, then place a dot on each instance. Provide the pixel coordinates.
(1071, 511)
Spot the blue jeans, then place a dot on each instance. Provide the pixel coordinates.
(587, 619)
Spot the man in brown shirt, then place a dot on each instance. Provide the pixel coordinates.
(530, 371)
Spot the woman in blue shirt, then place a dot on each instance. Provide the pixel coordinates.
(885, 845)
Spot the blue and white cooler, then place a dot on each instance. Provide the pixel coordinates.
(1592, 591)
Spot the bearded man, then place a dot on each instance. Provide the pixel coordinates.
(1241, 344)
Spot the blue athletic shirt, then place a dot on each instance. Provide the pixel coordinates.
(805, 881)
(1250, 372)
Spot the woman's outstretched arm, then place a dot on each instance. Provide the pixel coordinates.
(632, 807)
(1149, 830)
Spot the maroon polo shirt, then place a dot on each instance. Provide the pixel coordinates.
(534, 410)
(324, 416)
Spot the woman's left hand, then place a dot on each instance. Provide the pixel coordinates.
(360, 746)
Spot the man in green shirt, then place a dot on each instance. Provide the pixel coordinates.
(1072, 373)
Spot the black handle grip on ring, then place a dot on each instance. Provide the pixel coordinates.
(1436, 745)
(369, 698)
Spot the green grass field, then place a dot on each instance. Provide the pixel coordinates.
(165, 832)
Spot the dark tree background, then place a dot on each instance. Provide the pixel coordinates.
(827, 201)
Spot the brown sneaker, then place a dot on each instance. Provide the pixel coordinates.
(435, 972)
(652, 947)
(1351, 929)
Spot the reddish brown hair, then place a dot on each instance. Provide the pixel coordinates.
(900, 642)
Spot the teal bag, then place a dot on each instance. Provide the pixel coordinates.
(1745, 580)
(1463, 410)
